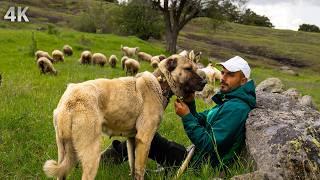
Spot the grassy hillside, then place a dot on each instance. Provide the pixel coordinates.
(261, 46)
(27, 136)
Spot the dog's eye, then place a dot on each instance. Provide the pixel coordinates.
(188, 68)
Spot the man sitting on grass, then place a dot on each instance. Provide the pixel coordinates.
(217, 133)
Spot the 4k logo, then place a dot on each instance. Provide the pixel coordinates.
(21, 14)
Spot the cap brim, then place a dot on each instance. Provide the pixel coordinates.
(230, 67)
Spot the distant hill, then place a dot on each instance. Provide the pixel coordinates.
(261, 46)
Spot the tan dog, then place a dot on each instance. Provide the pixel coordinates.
(127, 106)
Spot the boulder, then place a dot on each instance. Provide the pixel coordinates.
(292, 92)
(273, 85)
(307, 101)
(282, 138)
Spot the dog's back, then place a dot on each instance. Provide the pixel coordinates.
(112, 106)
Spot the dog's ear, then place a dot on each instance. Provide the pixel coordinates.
(191, 55)
(171, 64)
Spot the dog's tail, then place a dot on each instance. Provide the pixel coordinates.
(53, 169)
(66, 151)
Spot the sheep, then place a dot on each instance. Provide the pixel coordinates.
(86, 57)
(155, 60)
(46, 66)
(184, 53)
(113, 61)
(132, 66)
(40, 53)
(57, 56)
(99, 58)
(212, 74)
(144, 56)
(67, 50)
(123, 59)
(127, 51)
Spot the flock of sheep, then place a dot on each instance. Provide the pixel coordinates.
(129, 64)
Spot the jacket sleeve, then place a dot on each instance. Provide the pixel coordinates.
(201, 117)
(221, 131)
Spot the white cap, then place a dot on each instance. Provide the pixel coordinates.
(237, 64)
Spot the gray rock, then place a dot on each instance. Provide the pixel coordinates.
(285, 68)
(292, 92)
(291, 72)
(283, 139)
(273, 85)
(307, 101)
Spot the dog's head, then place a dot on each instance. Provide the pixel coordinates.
(181, 75)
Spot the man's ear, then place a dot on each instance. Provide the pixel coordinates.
(171, 64)
(244, 80)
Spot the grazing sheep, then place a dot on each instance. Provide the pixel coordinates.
(184, 53)
(67, 50)
(113, 61)
(38, 54)
(99, 58)
(127, 51)
(155, 60)
(132, 66)
(86, 57)
(123, 60)
(144, 56)
(46, 66)
(57, 56)
(212, 74)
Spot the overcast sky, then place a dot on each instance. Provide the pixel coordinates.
(288, 14)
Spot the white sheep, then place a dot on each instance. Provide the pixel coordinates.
(57, 56)
(132, 66)
(144, 56)
(123, 60)
(130, 52)
(212, 74)
(46, 66)
(155, 60)
(38, 54)
(113, 61)
(67, 50)
(86, 57)
(99, 58)
(184, 53)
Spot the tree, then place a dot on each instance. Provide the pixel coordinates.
(139, 19)
(177, 13)
(309, 28)
(251, 18)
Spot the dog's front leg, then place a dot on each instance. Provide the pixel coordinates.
(131, 157)
(143, 142)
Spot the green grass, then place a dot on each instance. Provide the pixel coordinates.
(27, 137)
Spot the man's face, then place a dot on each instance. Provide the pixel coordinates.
(231, 80)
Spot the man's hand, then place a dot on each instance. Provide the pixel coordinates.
(181, 108)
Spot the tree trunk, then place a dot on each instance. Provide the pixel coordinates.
(171, 41)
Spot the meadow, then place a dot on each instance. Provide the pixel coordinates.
(27, 137)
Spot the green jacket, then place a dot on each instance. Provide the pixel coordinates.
(222, 128)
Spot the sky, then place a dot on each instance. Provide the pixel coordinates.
(288, 14)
